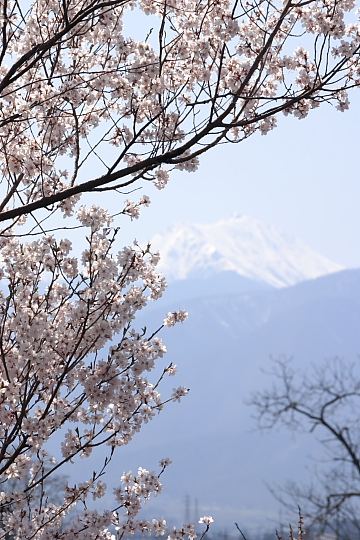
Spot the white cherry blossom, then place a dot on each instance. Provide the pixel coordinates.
(86, 108)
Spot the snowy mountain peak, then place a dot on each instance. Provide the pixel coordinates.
(242, 245)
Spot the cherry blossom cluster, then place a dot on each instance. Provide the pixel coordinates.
(72, 360)
(74, 85)
(47, 521)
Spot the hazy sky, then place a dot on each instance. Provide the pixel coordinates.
(304, 177)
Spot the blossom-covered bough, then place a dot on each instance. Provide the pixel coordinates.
(84, 108)
(72, 361)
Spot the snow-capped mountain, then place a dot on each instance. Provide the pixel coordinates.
(242, 245)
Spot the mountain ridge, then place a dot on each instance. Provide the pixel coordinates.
(224, 354)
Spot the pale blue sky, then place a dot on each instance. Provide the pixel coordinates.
(303, 177)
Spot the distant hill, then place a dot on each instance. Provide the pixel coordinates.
(222, 352)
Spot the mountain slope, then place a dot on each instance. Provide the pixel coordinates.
(223, 352)
(242, 245)
(223, 355)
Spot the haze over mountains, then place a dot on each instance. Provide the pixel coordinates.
(223, 352)
(251, 293)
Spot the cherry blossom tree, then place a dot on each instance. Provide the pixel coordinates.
(84, 108)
